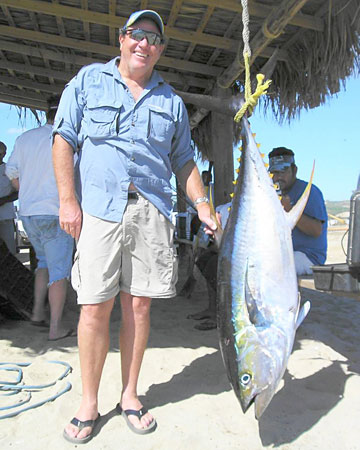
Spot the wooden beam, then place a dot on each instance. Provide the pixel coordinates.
(202, 24)
(175, 8)
(106, 50)
(69, 12)
(261, 10)
(31, 84)
(222, 150)
(273, 26)
(38, 52)
(27, 103)
(66, 76)
(112, 30)
(36, 70)
(267, 69)
(28, 95)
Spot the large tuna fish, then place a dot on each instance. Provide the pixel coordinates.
(258, 300)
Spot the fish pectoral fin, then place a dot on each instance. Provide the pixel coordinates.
(303, 312)
(255, 316)
(296, 211)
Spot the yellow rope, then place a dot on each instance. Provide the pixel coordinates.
(251, 99)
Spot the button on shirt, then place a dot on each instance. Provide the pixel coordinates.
(122, 141)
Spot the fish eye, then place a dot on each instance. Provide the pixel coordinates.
(245, 379)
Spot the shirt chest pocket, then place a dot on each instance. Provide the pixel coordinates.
(102, 119)
(161, 125)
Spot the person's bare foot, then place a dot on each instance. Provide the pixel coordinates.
(134, 404)
(61, 334)
(77, 432)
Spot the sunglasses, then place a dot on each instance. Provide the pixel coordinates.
(151, 37)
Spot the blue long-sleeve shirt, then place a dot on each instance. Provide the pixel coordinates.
(314, 248)
(122, 141)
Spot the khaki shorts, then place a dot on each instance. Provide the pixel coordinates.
(136, 256)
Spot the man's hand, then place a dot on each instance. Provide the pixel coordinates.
(70, 218)
(285, 201)
(204, 213)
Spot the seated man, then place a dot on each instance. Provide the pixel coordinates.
(310, 234)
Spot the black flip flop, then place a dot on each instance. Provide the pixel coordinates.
(81, 424)
(138, 413)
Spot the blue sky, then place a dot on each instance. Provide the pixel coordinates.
(328, 134)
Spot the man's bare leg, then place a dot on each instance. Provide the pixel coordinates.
(134, 335)
(40, 293)
(57, 297)
(93, 339)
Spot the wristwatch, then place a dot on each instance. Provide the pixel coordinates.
(201, 200)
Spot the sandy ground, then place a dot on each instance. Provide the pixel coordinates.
(184, 384)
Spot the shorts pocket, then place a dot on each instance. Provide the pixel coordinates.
(75, 273)
(49, 229)
(169, 272)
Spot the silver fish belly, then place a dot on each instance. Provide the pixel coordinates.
(258, 301)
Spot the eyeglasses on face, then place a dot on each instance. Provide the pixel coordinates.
(151, 37)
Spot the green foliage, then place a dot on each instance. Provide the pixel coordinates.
(337, 207)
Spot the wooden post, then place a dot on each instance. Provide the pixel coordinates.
(222, 151)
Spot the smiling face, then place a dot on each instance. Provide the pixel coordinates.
(139, 58)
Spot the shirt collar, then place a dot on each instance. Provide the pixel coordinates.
(111, 68)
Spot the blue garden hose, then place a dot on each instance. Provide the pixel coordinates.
(14, 387)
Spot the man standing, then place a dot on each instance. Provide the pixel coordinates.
(31, 172)
(310, 234)
(7, 214)
(132, 132)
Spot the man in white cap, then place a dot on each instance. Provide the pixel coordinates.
(133, 133)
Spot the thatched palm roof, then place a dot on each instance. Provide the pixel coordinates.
(43, 43)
